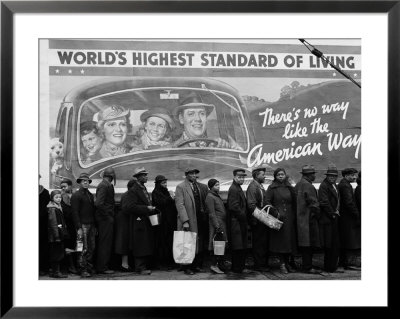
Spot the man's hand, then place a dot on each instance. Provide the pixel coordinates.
(80, 233)
(231, 144)
(151, 208)
(185, 226)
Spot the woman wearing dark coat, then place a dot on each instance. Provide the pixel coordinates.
(44, 199)
(122, 230)
(57, 231)
(217, 222)
(162, 200)
(281, 195)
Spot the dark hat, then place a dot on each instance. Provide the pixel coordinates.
(139, 171)
(83, 176)
(212, 182)
(158, 112)
(109, 171)
(112, 112)
(193, 101)
(332, 170)
(190, 170)
(348, 171)
(160, 178)
(258, 169)
(66, 180)
(54, 193)
(307, 169)
(239, 172)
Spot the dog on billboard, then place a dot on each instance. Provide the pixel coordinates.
(56, 155)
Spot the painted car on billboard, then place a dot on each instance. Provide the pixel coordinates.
(127, 123)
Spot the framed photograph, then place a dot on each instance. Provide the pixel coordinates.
(147, 97)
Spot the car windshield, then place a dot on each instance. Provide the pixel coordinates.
(153, 119)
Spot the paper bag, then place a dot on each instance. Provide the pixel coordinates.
(184, 247)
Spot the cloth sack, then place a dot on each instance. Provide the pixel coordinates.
(184, 247)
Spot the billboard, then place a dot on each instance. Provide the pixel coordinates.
(215, 105)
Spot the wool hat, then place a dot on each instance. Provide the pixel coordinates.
(83, 176)
(212, 182)
(307, 169)
(193, 101)
(158, 112)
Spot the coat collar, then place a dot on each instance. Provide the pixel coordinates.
(51, 204)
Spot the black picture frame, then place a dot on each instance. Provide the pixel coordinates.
(9, 8)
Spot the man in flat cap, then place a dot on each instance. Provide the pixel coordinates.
(256, 197)
(238, 220)
(308, 212)
(83, 215)
(190, 199)
(328, 196)
(138, 203)
(350, 220)
(105, 205)
(192, 114)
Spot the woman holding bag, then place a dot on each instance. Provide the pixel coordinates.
(217, 223)
(281, 195)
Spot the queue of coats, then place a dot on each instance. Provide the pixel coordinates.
(327, 220)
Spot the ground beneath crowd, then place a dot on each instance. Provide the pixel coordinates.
(206, 274)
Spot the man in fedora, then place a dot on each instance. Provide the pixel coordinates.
(138, 202)
(329, 203)
(256, 198)
(238, 220)
(350, 220)
(105, 205)
(83, 211)
(307, 217)
(192, 114)
(190, 199)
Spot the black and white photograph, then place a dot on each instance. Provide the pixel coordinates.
(196, 155)
(213, 159)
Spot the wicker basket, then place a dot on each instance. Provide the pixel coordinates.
(267, 219)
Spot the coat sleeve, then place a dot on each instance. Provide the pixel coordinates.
(180, 205)
(234, 204)
(269, 196)
(210, 208)
(251, 199)
(324, 203)
(159, 200)
(310, 196)
(52, 224)
(100, 202)
(139, 208)
(349, 202)
(75, 207)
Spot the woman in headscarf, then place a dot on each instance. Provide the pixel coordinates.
(217, 223)
(113, 125)
(165, 203)
(157, 125)
(281, 195)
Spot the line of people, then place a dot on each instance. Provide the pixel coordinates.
(329, 218)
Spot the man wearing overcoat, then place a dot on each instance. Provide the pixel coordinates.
(138, 203)
(328, 196)
(307, 218)
(350, 220)
(83, 211)
(190, 198)
(256, 198)
(105, 204)
(238, 221)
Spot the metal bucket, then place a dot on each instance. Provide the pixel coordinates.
(219, 247)
(155, 219)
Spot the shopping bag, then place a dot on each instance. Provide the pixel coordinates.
(184, 247)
